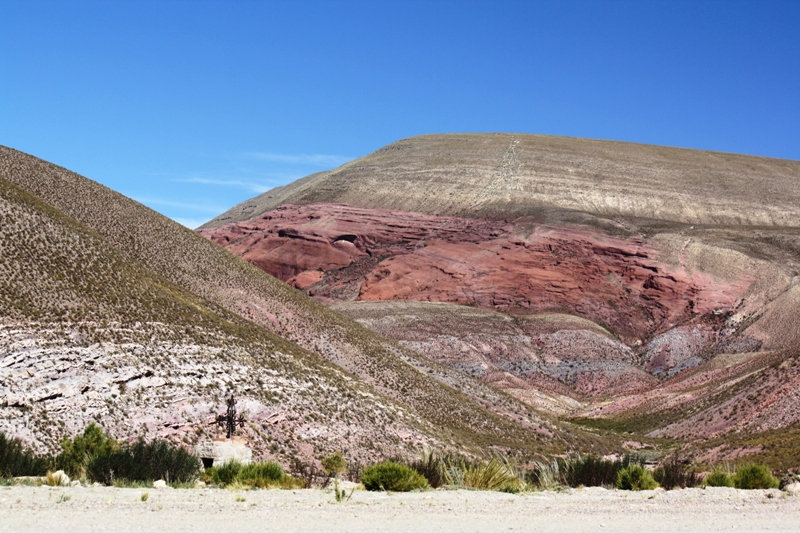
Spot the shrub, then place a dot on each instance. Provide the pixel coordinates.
(15, 460)
(593, 471)
(755, 477)
(226, 473)
(635, 477)
(718, 478)
(334, 464)
(392, 476)
(145, 461)
(261, 475)
(673, 474)
(80, 451)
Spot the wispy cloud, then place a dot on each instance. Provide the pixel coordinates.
(197, 207)
(313, 160)
(252, 186)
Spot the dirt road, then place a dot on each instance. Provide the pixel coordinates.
(211, 510)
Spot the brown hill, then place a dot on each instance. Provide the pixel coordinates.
(670, 257)
(114, 313)
(512, 175)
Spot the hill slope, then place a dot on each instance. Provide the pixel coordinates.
(508, 176)
(646, 263)
(196, 277)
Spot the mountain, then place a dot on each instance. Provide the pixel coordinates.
(110, 312)
(580, 276)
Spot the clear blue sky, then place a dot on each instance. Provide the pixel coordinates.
(191, 107)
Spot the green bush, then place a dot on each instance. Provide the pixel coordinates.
(593, 471)
(254, 475)
(635, 477)
(80, 451)
(15, 460)
(261, 475)
(755, 477)
(392, 476)
(334, 464)
(225, 474)
(145, 461)
(718, 478)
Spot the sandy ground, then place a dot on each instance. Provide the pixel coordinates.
(200, 510)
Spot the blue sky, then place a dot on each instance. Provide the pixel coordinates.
(192, 107)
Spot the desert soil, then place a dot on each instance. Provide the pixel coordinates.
(200, 510)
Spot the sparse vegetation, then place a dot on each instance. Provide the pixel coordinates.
(334, 464)
(392, 476)
(341, 495)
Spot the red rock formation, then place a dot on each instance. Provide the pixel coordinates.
(338, 252)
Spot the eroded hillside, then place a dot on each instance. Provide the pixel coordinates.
(113, 313)
(670, 260)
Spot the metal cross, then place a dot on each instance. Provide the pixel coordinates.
(231, 419)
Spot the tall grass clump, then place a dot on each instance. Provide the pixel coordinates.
(674, 473)
(225, 474)
(593, 471)
(261, 475)
(392, 476)
(755, 477)
(431, 465)
(145, 461)
(438, 468)
(635, 477)
(578, 471)
(16, 460)
(547, 475)
(450, 469)
(497, 474)
(252, 475)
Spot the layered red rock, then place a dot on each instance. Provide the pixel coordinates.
(338, 252)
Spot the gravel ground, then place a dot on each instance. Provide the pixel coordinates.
(200, 510)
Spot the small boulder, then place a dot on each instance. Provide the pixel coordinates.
(58, 478)
(75, 483)
(793, 488)
(160, 484)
